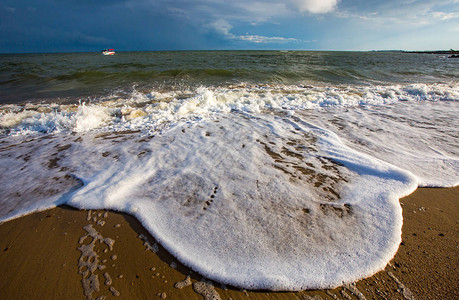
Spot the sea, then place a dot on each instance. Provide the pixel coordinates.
(273, 170)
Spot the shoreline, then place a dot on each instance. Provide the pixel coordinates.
(75, 254)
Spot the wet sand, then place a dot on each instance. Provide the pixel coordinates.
(65, 253)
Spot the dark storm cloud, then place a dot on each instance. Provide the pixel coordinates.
(42, 26)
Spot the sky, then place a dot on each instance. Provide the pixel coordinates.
(143, 25)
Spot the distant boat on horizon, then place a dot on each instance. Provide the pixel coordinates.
(108, 51)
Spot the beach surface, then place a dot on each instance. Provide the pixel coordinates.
(64, 253)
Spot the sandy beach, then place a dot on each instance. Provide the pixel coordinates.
(64, 253)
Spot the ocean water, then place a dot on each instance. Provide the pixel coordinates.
(277, 170)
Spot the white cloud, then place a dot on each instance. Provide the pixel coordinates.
(261, 11)
(251, 11)
(222, 27)
(445, 16)
(264, 39)
(407, 12)
(222, 15)
(315, 6)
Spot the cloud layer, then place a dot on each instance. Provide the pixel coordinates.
(49, 25)
(315, 6)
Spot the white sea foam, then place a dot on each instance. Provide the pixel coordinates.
(150, 110)
(243, 184)
(91, 117)
(256, 202)
(421, 137)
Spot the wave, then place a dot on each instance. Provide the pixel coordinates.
(153, 111)
(257, 183)
(122, 75)
(149, 109)
(280, 187)
(79, 75)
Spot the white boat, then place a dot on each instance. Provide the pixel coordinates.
(108, 51)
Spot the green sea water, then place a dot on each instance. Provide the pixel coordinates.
(76, 76)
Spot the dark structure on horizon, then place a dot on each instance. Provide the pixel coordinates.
(451, 52)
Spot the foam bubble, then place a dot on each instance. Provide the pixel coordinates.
(13, 119)
(263, 195)
(241, 184)
(419, 137)
(91, 117)
(184, 283)
(150, 110)
(206, 289)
